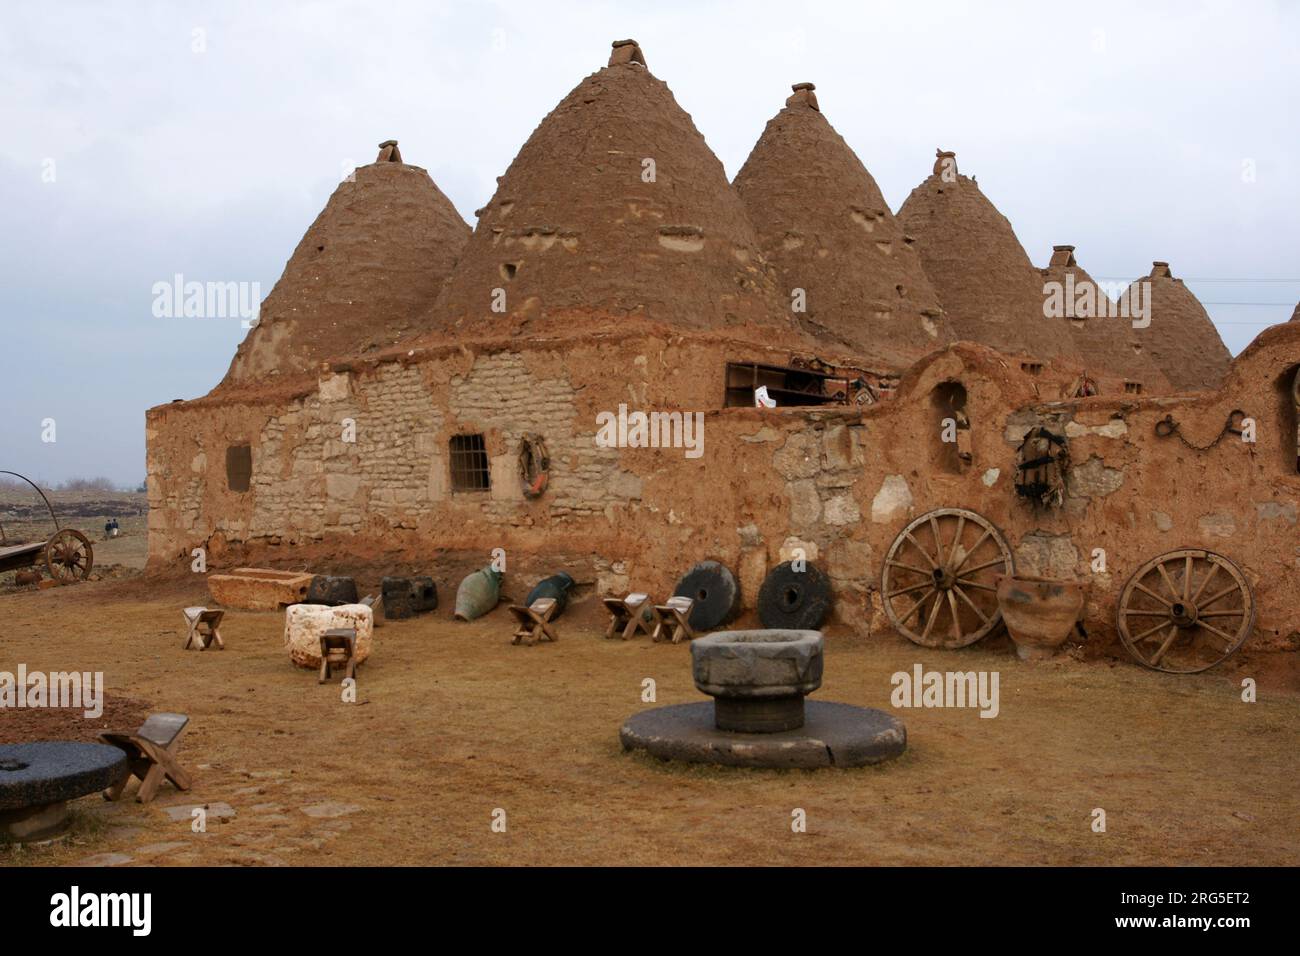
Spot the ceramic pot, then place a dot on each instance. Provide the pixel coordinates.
(478, 594)
(1039, 613)
(555, 587)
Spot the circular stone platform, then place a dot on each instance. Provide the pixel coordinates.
(833, 735)
(37, 779)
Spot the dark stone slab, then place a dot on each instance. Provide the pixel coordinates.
(833, 735)
(331, 590)
(407, 597)
(56, 771)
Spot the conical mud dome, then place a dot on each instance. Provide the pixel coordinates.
(1181, 340)
(367, 268)
(614, 208)
(1111, 349)
(990, 291)
(826, 228)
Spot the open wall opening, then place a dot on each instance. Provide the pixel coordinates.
(1288, 394)
(950, 446)
(239, 467)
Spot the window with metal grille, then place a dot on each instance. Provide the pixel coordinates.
(239, 467)
(469, 464)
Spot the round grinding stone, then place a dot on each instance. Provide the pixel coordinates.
(35, 774)
(833, 735)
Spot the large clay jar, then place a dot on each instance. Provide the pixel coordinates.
(305, 623)
(1039, 613)
(478, 594)
(555, 587)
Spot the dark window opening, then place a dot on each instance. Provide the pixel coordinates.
(1288, 392)
(469, 464)
(785, 385)
(239, 467)
(1133, 388)
(1033, 368)
(950, 431)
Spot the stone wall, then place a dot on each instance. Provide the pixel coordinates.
(837, 482)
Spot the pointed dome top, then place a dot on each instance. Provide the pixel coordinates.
(1110, 349)
(614, 207)
(987, 286)
(1181, 340)
(370, 264)
(824, 224)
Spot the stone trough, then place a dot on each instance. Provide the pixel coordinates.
(759, 716)
(259, 589)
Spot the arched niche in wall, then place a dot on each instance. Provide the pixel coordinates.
(1288, 391)
(950, 445)
(534, 466)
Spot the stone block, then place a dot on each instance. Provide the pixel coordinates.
(259, 589)
(305, 623)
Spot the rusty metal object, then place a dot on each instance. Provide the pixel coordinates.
(48, 506)
(1185, 611)
(1041, 465)
(949, 570)
(69, 556)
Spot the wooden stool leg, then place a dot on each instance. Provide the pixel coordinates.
(149, 785)
(115, 791)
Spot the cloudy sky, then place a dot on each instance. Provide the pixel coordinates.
(140, 140)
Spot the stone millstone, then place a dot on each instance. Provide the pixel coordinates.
(833, 735)
(36, 780)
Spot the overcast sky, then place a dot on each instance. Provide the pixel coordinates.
(1159, 131)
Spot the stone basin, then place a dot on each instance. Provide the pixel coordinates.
(259, 589)
(758, 679)
(37, 780)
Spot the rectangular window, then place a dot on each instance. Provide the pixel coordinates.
(1033, 368)
(785, 385)
(469, 464)
(239, 467)
(1133, 388)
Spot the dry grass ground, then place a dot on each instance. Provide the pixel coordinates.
(452, 722)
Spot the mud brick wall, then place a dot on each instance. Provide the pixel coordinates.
(837, 482)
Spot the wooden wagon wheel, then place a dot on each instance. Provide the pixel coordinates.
(945, 564)
(1185, 611)
(69, 556)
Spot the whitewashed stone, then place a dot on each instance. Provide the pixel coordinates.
(305, 623)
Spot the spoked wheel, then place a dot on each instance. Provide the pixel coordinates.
(69, 556)
(1185, 611)
(939, 585)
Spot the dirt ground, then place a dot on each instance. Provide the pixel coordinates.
(453, 723)
(25, 518)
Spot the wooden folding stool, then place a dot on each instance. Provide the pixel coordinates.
(151, 755)
(338, 648)
(674, 619)
(534, 621)
(203, 628)
(636, 612)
